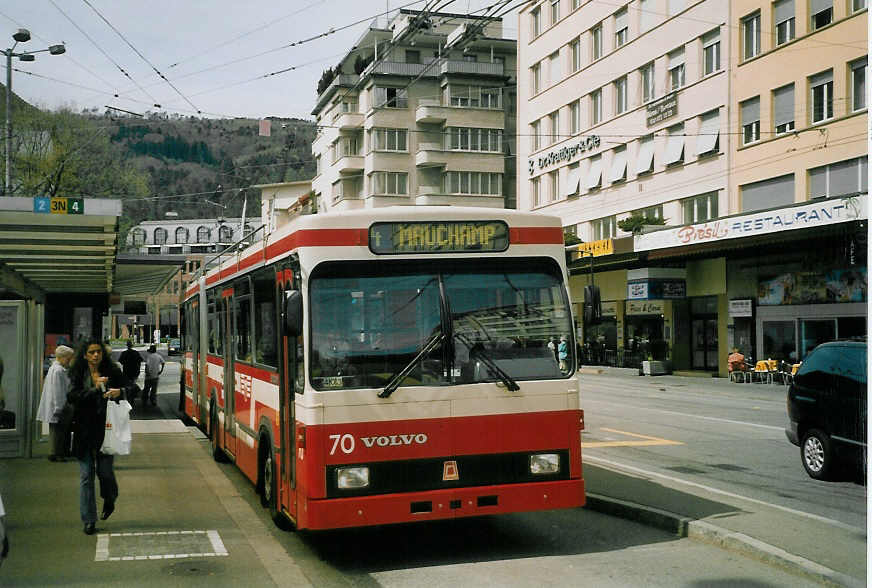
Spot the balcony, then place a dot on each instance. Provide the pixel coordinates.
(475, 68)
(341, 80)
(430, 110)
(430, 155)
(348, 121)
(433, 195)
(349, 164)
(396, 68)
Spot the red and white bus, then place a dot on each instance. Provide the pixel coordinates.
(391, 365)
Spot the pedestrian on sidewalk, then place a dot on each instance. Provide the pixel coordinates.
(4, 536)
(131, 361)
(51, 405)
(94, 381)
(154, 366)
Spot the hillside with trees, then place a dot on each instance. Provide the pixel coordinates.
(156, 163)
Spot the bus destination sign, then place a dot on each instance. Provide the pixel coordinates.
(395, 238)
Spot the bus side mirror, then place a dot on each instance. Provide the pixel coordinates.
(293, 313)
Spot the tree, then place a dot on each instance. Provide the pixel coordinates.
(326, 78)
(635, 223)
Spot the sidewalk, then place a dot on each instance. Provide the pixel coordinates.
(829, 552)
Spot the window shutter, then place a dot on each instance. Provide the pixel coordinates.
(709, 129)
(750, 110)
(676, 58)
(784, 10)
(711, 38)
(645, 157)
(675, 145)
(619, 165)
(768, 193)
(594, 173)
(572, 179)
(820, 5)
(783, 104)
(824, 77)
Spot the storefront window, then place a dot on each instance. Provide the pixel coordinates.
(779, 340)
(601, 343)
(815, 332)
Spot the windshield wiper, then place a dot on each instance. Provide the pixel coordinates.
(434, 341)
(491, 365)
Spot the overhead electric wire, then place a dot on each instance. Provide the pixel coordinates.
(109, 57)
(143, 57)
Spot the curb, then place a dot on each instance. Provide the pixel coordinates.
(706, 532)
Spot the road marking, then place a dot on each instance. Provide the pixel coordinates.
(793, 511)
(694, 416)
(159, 545)
(647, 441)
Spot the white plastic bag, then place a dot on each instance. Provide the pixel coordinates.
(118, 435)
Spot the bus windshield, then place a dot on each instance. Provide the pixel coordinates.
(494, 320)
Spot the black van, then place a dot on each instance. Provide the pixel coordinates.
(826, 405)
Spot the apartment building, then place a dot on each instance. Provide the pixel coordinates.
(187, 236)
(623, 110)
(798, 105)
(419, 112)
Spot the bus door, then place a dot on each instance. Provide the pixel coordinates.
(291, 384)
(196, 384)
(227, 329)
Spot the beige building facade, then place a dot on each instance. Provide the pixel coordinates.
(419, 112)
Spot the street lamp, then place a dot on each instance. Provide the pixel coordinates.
(22, 36)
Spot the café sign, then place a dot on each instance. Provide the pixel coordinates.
(665, 108)
(817, 214)
(565, 153)
(637, 307)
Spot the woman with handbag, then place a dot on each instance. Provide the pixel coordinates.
(53, 408)
(94, 381)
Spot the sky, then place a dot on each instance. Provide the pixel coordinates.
(215, 56)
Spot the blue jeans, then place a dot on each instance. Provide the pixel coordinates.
(108, 485)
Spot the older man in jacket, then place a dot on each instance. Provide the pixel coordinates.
(51, 405)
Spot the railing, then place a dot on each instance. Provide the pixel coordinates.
(471, 67)
(401, 69)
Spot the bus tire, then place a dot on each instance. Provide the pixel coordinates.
(217, 453)
(267, 484)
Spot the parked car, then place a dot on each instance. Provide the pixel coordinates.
(826, 407)
(174, 346)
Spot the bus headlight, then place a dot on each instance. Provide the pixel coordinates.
(355, 477)
(544, 463)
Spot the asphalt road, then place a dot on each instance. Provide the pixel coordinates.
(710, 433)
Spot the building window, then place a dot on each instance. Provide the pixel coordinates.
(348, 145)
(675, 145)
(618, 170)
(389, 140)
(576, 4)
(138, 237)
(390, 97)
(225, 234)
(534, 135)
(394, 183)
(535, 22)
(473, 139)
(160, 236)
(621, 95)
(553, 186)
(349, 105)
(604, 228)
(858, 5)
(554, 119)
(782, 109)
(596, 106)
(413, 56)
(575, 118)
(204, 235)
(700, 209)
(770, 193)
(475, 96)
(711, 52)
(458, 182)
(647, 15)
(750, 110)
(844, 178)
(649, 212)
(821, 13)
(621, 29)
(648, 86)
(534, 192)
(536, 78)
(709, 133)
(182, 235)
(676, 69)
(821, 96)
(470, 57)
(575, 54)
(317, 165)
(858, 85)
(596, 42)
(784, 16)
(645, 155)
(554, 73)
(751, 36)
(555, 11)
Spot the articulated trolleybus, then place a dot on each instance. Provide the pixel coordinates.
(391, 365)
